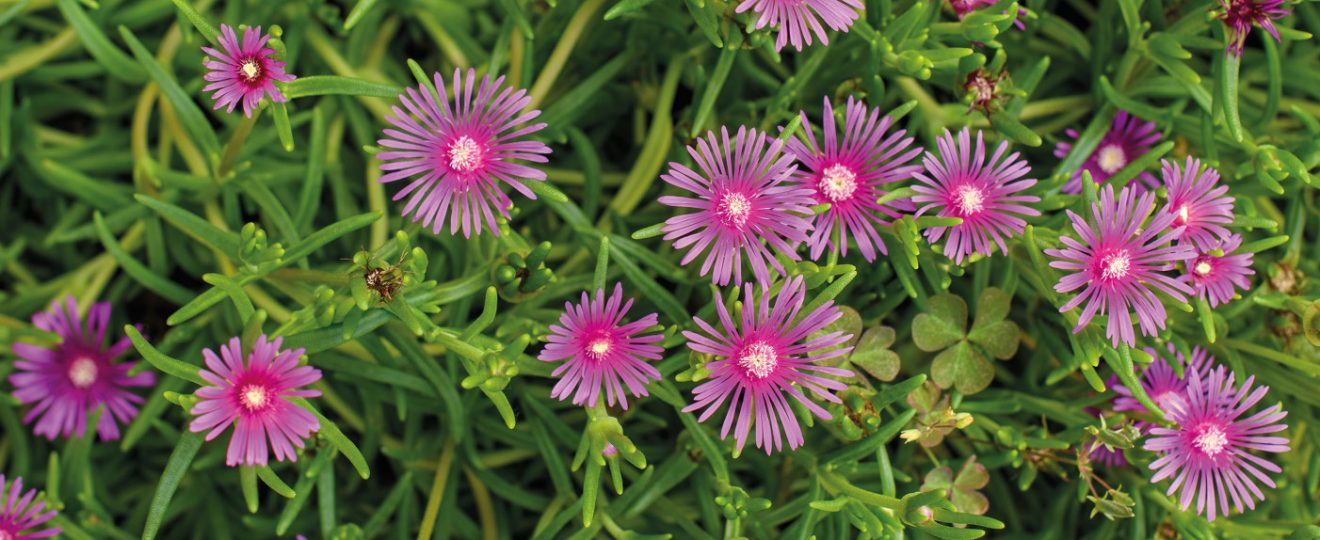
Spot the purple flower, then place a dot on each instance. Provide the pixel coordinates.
(1128, 138)
(1213, 276)
(961, 183)
(1206, 452)
(797, 20)
(458, 156)
(1161, 382)
(18, 513)
(78, 376)
(743, 197)
(1200, 207)
(1118, 264)
(243, 72)
(764, 358)
(849, 175)
(1240, 15)
(254, 397)
(600, 351)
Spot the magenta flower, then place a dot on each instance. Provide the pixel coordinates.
(765, 357)
(600, 351)
(458, 156)
(849, 175)
(963, 7)
(254, 397)
(1128, 138)
(1240, 15)
(1206, 452)
(1161, 382)
(19, 514)
(243, 72)
(743, 197)
(1200, 207)
(1214, 273)
(797, 20)
(961, 183)
(78, 376)
(1118, 264)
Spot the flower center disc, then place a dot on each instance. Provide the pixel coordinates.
(838, 183)
(1115, 265)
(1111, 159)
(82, 373)
(734, 209)
(250, 70)
(1211, 440)
(464, 154)
(969, 200)
(598, 348)
(6, 535)
(1203, 268)
(254, 396)
(759, 360)
(1184, 215)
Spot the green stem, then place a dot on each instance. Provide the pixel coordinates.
(584, 15)
(235, 144)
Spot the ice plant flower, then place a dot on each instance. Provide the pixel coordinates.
(765, 358)
(601, 351)
(1128, 138)
(80, 375)
(849, 174)
(1207, 451)
(1240, 15)
(20, 516)
(1214, 273)
(254, 397)
(1196, 203)
(1119, 264)
(243, 72)
(1161, 382)
(960, 182)
(457, 156)
(743, 198)
(797, 20)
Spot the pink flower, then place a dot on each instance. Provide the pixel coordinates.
(254, 397)
(1240, 15)
(961, 183)
(1206, 452)
(1214, 273)
(78, 376)
(764, 358)
(458, 156)
(600, 351)
(1161, 382)
(18, 513)
(849, 175)
(1128, 138)
(797, 20)
(742, 199)
(1200, 207)
(243, 72)
(1119, 264)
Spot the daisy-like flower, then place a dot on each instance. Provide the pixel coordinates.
(961, 183)
(243, 72)
(797, 20)
(1128, 138)
(1119, 264)
(457, 156)
(601, 351)
(1161, 382)
(1196, 203)
(67, 383)
(849, 175)
(1240, 15)
(743, 197)
(1214, 273)
(19, 516)
(1207, 451)
(765, 358)
(254, 397)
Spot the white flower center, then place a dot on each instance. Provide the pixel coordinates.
(969, 200)
(1111, 159)
(1115, 265)
(734, 209)
(1202, 268)
(82, 372)
(1184, 215)
(254, 396)
(250, 70)
(6, 535)
(1211, 440)
(759, 360)
(464, 154)
(838, 183)
(598, 348)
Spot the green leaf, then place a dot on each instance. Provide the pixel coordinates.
(199, 21)
(1228, 92)
(715, 83)
(138, 271)
(332, 434)
(117, 64)
(328, 85)
(963, 367)
(999, 339)
(942, 324)
(962, 488)
(359, 11)
(873, 356)
(199, 229)
(161, 361)
(175, 469)
(707, 20)
(332, 232)
(198, 127)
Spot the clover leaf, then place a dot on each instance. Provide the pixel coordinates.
(873, 356)
(962, 488)
(962, 361)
